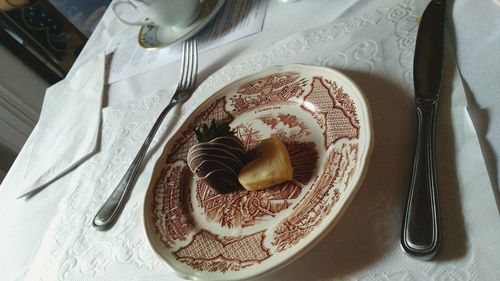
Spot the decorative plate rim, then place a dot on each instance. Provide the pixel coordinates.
(326, 225)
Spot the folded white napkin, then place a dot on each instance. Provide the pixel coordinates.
(67, 131)
(476, 45)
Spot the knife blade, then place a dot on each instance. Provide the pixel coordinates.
(420, 235)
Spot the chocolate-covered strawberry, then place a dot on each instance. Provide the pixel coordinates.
(218, 157)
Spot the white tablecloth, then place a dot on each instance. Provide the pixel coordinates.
(50, 237)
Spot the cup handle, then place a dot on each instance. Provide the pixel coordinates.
(114, 6)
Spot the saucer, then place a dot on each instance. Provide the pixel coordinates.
(153, 37)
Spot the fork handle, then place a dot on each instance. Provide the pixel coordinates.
(421, 232)
(110, 210)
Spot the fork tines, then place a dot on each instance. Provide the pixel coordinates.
(189, 64)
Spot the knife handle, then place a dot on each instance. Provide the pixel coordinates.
(420, 235)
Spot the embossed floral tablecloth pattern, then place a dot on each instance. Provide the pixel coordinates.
(373, 46)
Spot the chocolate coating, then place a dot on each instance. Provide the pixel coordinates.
(218, 163)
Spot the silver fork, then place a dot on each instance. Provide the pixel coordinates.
(110, 210)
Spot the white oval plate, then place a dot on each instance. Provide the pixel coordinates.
(153, 37)
(323, 119)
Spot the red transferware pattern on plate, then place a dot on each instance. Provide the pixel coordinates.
(223, 254)
(322, 118)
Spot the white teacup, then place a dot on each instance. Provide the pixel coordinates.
(171, 13)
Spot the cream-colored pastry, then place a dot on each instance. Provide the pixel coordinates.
(271, 166)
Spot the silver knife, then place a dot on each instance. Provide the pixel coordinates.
(420, 235)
